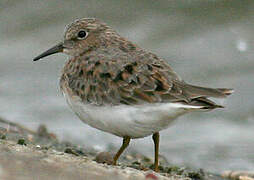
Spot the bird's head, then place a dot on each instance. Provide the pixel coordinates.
(80, 37)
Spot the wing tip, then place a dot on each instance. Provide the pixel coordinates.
(213, 107)
(226, 92)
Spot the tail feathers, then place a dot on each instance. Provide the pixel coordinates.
(196, 91)
(226, 91)
(199, 96)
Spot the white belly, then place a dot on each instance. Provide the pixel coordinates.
(133, 121)
(123, 120)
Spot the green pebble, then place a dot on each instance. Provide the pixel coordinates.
(22, 142)
(3, 137)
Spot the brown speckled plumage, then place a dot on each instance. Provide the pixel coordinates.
(113, 71)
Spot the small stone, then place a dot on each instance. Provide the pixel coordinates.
(22, 142)
(151, 176)
(136, 163)
(174, 170)
(129, 157)
(57, 152)
(104, 157)
(3, 137)
(71, 151)
(146, 159)
(195, 175)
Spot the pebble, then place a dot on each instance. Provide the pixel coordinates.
(104, 157)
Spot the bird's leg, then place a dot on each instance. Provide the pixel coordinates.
(126, 141)
(156, 139)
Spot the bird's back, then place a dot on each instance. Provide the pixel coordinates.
(130, 75)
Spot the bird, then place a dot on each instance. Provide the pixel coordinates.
(114, 85)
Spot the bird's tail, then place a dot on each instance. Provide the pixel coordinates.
(199, 96)
(197, 91)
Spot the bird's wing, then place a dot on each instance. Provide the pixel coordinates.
(136, 82)
(155, 81)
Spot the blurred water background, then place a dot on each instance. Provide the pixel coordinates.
(207, 42)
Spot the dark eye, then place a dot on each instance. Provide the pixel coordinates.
(82, 34)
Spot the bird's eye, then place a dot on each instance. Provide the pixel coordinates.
(82, 34)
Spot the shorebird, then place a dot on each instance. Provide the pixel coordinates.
(118, 87)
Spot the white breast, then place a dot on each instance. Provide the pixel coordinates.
(133, 121)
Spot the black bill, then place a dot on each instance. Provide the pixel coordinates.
(56, 49)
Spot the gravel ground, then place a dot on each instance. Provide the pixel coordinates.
(27, 154)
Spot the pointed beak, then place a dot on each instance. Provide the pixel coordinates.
(56, 49)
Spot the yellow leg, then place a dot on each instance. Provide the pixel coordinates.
(126, 141)
(156, 139)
